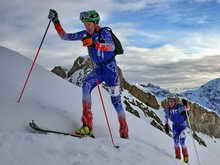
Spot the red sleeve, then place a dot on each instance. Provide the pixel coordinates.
(60, 30)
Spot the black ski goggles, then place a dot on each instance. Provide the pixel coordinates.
(87, 16)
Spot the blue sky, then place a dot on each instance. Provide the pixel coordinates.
(172, 43)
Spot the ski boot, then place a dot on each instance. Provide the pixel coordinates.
(186, 159)
(185, 155)
(84, 131)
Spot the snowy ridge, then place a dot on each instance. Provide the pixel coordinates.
(208, 95)
(155, 90)
(56, 103)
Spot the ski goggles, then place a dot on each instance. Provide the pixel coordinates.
(85, 15)
(88, 16)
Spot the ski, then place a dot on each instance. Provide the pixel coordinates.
(38, 129)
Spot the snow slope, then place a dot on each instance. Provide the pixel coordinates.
(55, 103)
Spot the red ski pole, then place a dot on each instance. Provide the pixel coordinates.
(106, 117)
(32, 66)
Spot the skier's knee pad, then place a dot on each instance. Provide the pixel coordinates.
(116, 101)
(182, 138)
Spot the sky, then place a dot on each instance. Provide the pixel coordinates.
(171, 43)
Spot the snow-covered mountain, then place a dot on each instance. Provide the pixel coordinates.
(55, 103)
(156, 90)
(208, 95)
(202, 119)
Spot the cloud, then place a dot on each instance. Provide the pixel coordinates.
(159, 55)
(200, 44)
(134, 5)
(157, 35)
(182, 74)
(171, 66)
(23, 24)
(204, 0)
(193, 45)
(188, 19)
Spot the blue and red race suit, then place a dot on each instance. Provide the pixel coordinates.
(106, 70)
(179, 124)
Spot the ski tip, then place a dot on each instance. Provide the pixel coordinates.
(32, 122)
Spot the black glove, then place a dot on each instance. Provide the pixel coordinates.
(53, 16)
(167, 128)
(184, 101)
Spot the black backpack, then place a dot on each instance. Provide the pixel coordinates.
(118, 47)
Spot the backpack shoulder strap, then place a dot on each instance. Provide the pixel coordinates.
(118, 46)
(102, 28)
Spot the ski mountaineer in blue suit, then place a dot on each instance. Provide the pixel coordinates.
(177, 114)
(101, 48)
